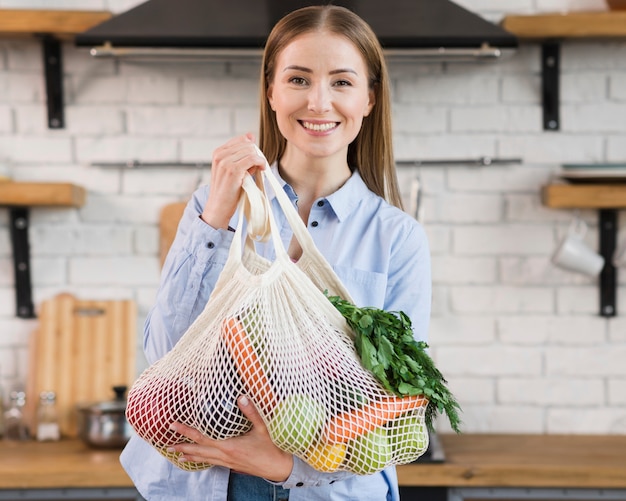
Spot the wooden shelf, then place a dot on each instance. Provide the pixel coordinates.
(601, 24)
(584, 196)
(61, 23)
(19, 194)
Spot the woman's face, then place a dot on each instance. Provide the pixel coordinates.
(320, 94)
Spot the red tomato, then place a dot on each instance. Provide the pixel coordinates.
(153, 406)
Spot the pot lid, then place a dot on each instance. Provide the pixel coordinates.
(118, 404)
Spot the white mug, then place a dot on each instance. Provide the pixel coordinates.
(575, 255)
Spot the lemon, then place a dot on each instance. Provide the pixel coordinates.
(327, 457)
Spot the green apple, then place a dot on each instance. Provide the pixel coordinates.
(370, 453)
(408, 437)
(296, 423)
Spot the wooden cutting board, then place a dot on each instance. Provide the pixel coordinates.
(168, 224)
(80, 350)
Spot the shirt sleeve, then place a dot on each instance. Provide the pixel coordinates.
(191, 269)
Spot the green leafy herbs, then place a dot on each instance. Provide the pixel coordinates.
(384, 341)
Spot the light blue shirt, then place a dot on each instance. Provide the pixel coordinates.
(382, 257)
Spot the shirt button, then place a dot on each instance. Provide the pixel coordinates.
(314, 224)
(299, 484)
(320, 203)
(210, 245)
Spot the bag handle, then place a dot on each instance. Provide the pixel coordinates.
(322, 273)
(254, 206)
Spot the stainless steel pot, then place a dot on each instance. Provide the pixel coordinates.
(104, 424)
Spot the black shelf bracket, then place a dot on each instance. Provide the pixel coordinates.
(550, 83)
(21, 262)
(53, 66)
(607, 229)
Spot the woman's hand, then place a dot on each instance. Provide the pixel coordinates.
(253, 453)
(231, 162)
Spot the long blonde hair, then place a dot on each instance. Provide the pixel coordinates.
(371, 153)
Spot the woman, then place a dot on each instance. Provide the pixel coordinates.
(325, 129)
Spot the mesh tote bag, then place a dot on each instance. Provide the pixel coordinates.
(270, 332)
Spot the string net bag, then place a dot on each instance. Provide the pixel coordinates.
(269, 332)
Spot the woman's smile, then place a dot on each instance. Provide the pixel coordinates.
(319, 127)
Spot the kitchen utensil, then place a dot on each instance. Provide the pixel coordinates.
(104, 424)
(168, 224)
(80, 350)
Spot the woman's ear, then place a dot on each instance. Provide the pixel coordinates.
(371, 102)
(270, 94)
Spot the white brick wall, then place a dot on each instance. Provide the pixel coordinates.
(520, 341)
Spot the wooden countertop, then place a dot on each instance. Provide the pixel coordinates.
(68, 463)
(540, 461)
(473, 460)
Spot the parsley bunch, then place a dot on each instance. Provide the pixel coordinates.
(385, 344)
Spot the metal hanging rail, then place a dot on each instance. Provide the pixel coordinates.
(480, 161)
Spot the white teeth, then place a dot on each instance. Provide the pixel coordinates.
(319, 127)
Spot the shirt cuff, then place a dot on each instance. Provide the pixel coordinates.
(304, 475)
(208, 243)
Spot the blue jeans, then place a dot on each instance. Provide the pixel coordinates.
(248, 488)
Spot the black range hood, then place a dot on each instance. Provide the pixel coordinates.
(429, 28)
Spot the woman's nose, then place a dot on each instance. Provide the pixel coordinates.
(319, 99)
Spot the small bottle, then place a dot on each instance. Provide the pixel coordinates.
(14, 424)
(47, 417)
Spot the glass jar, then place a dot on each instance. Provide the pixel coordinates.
(47, 417)
(14, 422)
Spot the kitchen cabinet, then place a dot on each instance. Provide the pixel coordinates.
(477, 467)
(607, 199)
(549, 30)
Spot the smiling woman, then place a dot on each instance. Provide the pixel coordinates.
(325, 128)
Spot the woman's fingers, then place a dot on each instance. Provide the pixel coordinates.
(253, 452)
(231, 162)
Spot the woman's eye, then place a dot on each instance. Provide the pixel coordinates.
(342, 83)
(297, 80)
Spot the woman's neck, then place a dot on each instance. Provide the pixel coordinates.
(313, 178)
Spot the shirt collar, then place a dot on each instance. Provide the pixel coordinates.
(343, 202)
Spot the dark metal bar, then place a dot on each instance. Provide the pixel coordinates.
(21, 262)
(607, 229)
(480, 162)
(53, 65)
(550, 76)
